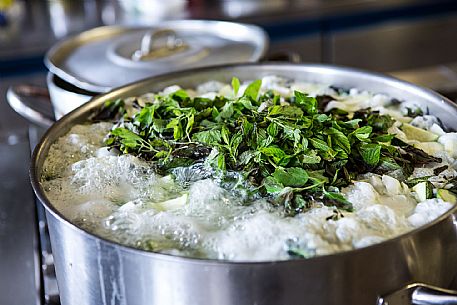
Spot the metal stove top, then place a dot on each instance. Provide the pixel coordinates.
(26, 269)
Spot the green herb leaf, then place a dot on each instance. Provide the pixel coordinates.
(145, 116)
(272, 129)
(273, 151)
(221, 162)
(340, 200)
(272, 185)
(310, 157)
(252, 90)
(384, 138)
(235, 85)
(286, 111)
(370, 153)
(293, 176)
(319, 144)
(127, 138)
(307, 103)
(339, 139)
(362, 133)
(210, 137)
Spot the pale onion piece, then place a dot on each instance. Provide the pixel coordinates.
(419, 134)
(404, 119)
(210, 86)
(273, 81)
(436, 129)
(242, 89)
(376, 182)
(431, 148)
(349, 106)
(146, 98)
(191, 93)
(210, 95)
(424, 122)
(399, 134)
(171, 89)
(361, 194)
(401, 204)
(449, 141)
(379, 100)
(393, 113)
(313, 89)
(393, 186)
(405, 188)
(172, 204)
(227, 91)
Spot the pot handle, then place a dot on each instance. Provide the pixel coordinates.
(420, 294)
(22, 97)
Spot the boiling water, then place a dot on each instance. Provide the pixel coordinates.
(122, 199)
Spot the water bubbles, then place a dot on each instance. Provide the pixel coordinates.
(193, 173)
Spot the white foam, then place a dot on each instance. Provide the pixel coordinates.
(82, 141)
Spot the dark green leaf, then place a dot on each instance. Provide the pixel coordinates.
(201, 103)
(362, 133)
(287, 111)
(354, 123)
(210, 137)
(319, 144)
(145, 116)
(272, 129)
(307, 103)
(370, 153)
(128, 138)
(272, 186)
(414, 181)
(384, 138)
(273, 151)
(339, 139)
(338, 200)
(293, 176)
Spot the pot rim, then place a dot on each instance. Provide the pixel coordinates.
(91, 106)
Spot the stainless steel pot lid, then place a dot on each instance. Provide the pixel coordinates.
(107, 57)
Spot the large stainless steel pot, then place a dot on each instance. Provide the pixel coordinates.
(91, 270)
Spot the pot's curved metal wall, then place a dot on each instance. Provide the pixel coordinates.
(91, 270)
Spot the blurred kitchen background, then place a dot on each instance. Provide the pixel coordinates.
(412, 39)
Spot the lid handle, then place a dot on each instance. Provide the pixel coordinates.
(158, 44)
